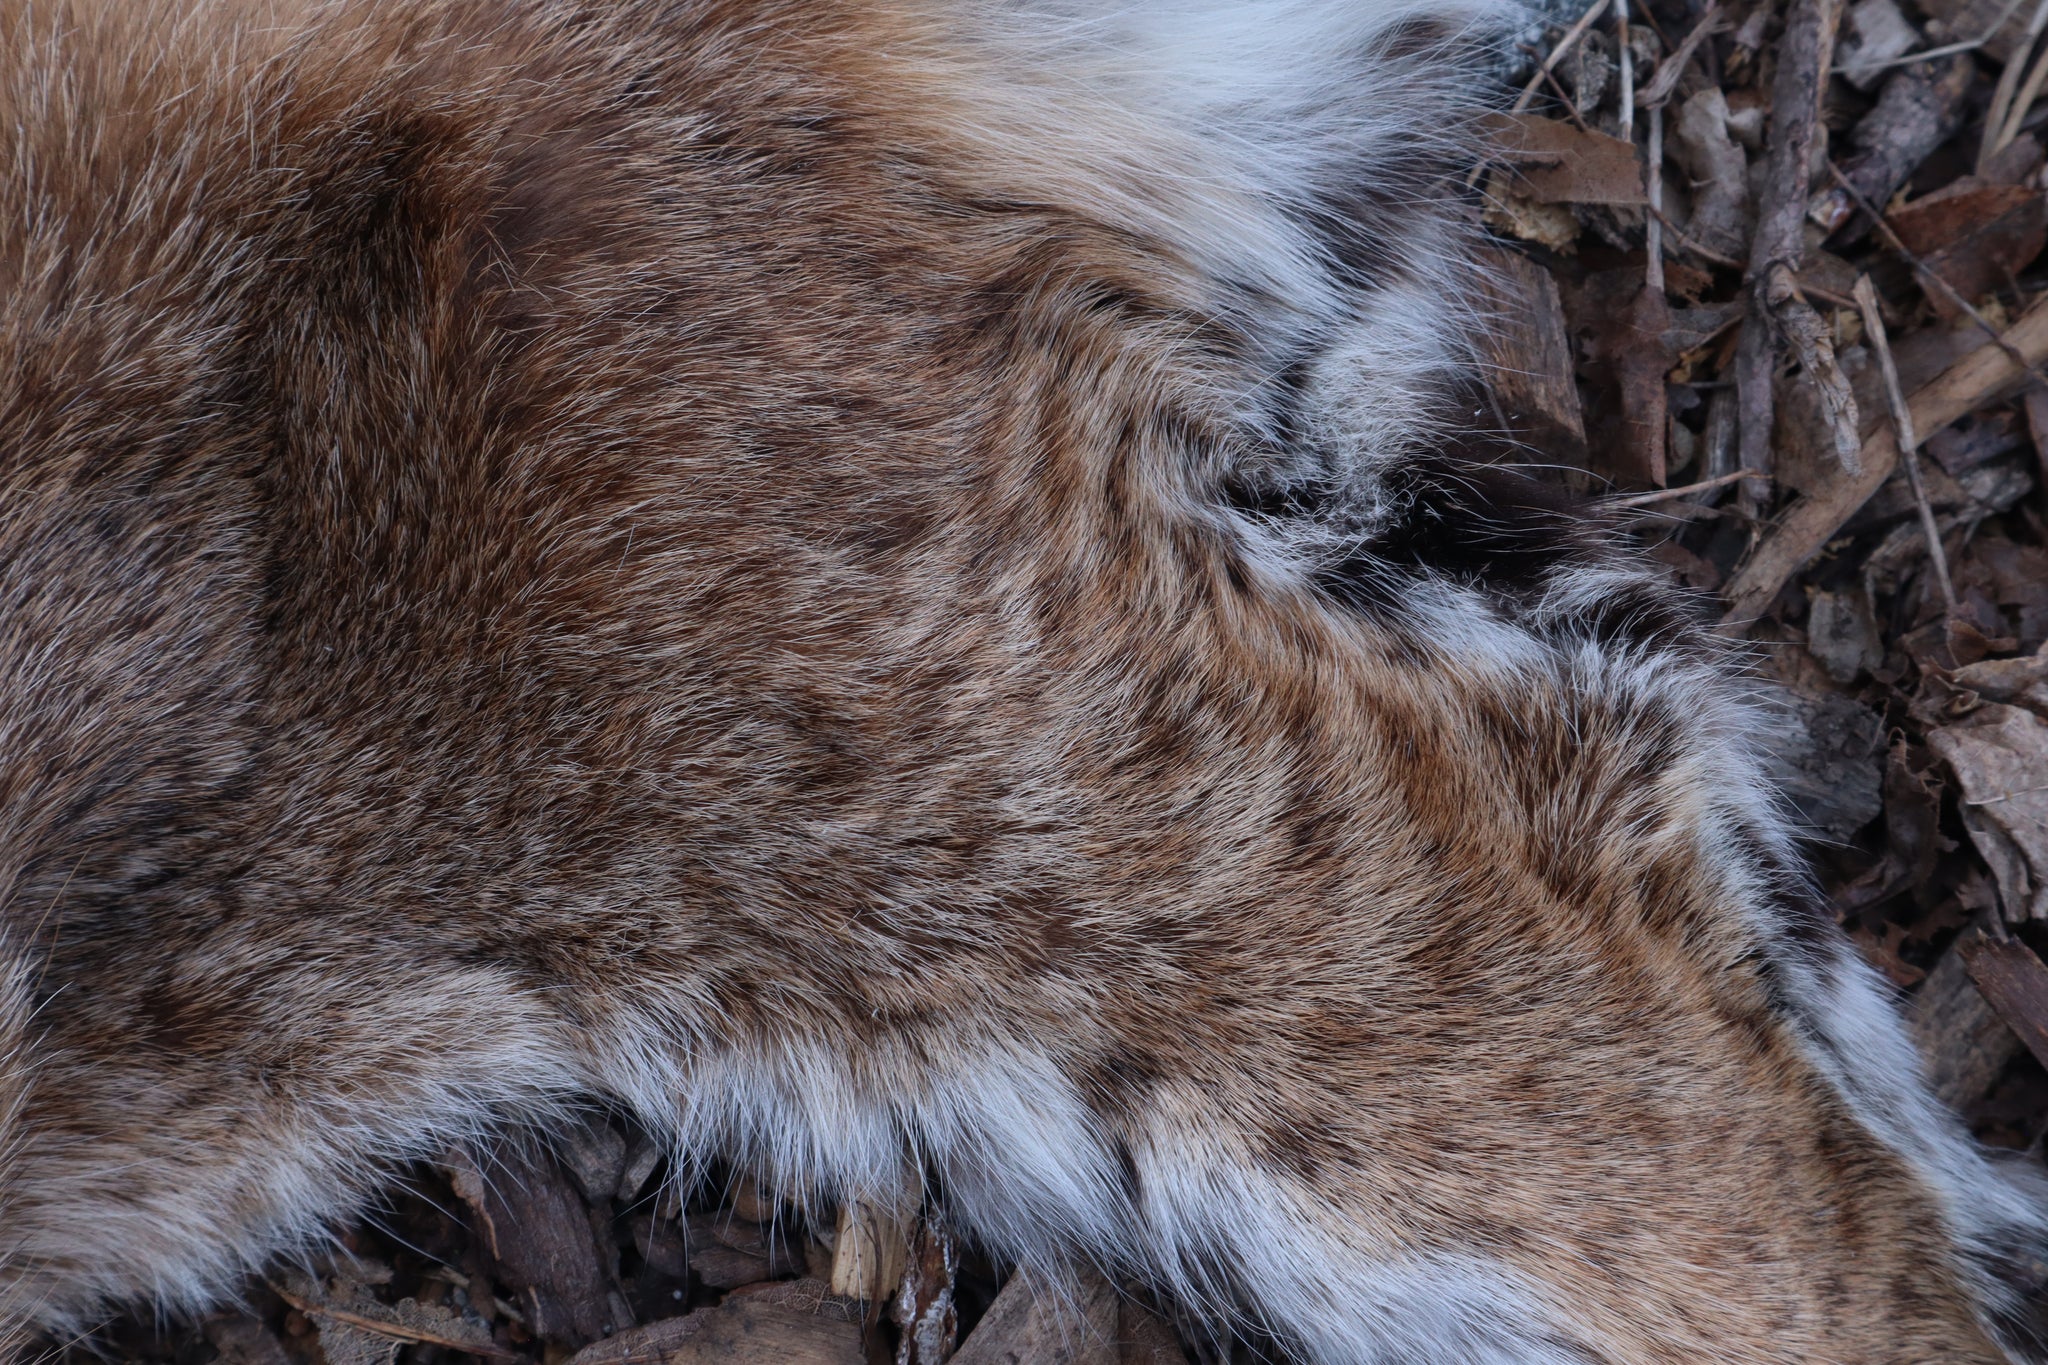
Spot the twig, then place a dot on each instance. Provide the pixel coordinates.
(1951, 49)
(2008, 85)
(1778, 246)
(1683, 491)
(1627, 131)
(1908, 439)
(1705, 253)
(396, 1331)
(1653, 190)
(1545, 67)
(1813, 344)
(1571, 107)
(1929, 275)
(1557, 54)
(1962, 388)
(2030, 90)
(1665, 79)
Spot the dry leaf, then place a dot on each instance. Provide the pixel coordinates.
(796, 1323)
(1561, 163)
(2000, 758)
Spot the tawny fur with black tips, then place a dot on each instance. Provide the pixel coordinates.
(884, 585)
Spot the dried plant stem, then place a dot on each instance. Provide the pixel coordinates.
(1929, 276)
(1558, 53)
(1653, 190)
(1626, 58)
(1908, 439)
(2008, 86)
(1656, 495)
(1665, 79)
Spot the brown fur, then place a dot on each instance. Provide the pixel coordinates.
(539, 537)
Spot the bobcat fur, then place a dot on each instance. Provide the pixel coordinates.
(899, 589)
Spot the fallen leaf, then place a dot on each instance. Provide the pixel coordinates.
(1999, 755)
(794, 1323)
(1560, 163)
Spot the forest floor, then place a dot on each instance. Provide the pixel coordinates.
(1728, 245)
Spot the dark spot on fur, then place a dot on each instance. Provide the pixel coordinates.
(1478, 523)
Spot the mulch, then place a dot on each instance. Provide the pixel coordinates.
(1766, 289)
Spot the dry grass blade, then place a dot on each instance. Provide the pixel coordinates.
(1908, 438)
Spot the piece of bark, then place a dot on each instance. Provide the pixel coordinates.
(1622, 327)
(1560, 163)
(1718, 170)
(1841, 631)
(2015, 982)
(595, 1154)
(1035, 1324)
(1965, 1044)
(727, 1252)
(1920, 107)
(1776, 249)
(1528, 356)
(1811, 342)
(869, 1253)
(663, 1279)
(925, 1310)
(1826, 756)
(1798, 535)
(799, 1322)
(537, 1232)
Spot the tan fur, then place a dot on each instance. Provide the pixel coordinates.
(678, 553)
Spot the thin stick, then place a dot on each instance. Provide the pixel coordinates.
(1971, 45)
(2008, 85)
(1909, 441)
(1627, 130)
(1685, 491)
(1557, 54)
(1665, 79)
(2030, 90)
(1653, 189)
(1571, 107)
(1927, 273)
(1546, 66)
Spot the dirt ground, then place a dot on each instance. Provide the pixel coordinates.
(1732, 244)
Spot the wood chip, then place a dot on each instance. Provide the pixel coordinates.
(1528, 355)
(2015, 982)
(869, 1252)
(1036, 1324)
(1964, 1042)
